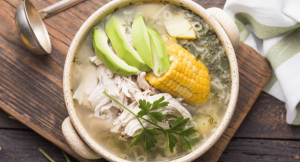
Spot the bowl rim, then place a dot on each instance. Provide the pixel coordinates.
(78, 39)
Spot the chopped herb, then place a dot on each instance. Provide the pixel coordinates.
(214, 98)
(150, 21)
(77, 61)
(72, 90)
(174, 10)
(155, 21)
(47, 156)
(11, 117)
(148, 134)
(191, 28)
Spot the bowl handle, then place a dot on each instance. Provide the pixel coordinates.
(228, 25)
(75, 142)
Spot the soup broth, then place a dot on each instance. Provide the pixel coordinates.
(205, 117)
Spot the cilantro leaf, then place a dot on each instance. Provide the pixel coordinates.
(188, 131)
(156, 116)
(144, 105)
(150, 141)
(153, 131)
(142, 113)
(138, 138)
(158, 104)
(178, 125)
(186, 144)
(152, 119)
(171, 141)
(148, 134)
(147, 106)
(194, 141)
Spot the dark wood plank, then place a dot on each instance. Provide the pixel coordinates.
(267, 119)
(253, 150)
(24, 145)
(7, 121)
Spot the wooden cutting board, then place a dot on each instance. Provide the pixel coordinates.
(31, 86)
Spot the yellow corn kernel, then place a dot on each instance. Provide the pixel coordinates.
(165, 81)
(194, 68)
(180, 65)
(169, 83)
(183, 68)
(176, 75)
(186, 72)
(173, 85)
(190, 73)
(180, 78)
(186, 77)
(187, 82)
(177, 88)
(190, 84)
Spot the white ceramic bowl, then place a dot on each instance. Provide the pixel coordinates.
(227, 32)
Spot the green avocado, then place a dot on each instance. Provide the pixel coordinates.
(161, 62)
(141, 40)
(116, 33)
(108, 57)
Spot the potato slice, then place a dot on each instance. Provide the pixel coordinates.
(179, 26)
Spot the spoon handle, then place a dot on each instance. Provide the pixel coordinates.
(57, 7)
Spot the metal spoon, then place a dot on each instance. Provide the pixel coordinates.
(31, 27)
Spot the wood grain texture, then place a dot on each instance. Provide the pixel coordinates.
(24, 145)
(267, 119)
(253, 150)
(31, 86)
(6, 122)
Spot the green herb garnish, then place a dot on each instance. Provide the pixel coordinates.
(11, 117)
(148, 134)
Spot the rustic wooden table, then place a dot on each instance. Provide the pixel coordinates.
(263, 136)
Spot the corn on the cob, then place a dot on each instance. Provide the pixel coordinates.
(186, 78)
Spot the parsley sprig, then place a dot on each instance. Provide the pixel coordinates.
(177, 130)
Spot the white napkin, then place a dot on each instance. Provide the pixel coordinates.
(272, 28)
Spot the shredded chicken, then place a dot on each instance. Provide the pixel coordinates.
(128, 91)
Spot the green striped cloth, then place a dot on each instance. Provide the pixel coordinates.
(272, 28)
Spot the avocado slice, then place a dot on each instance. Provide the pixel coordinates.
(116, 33)
(108, 57)
(161, 62)
(141, 40)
